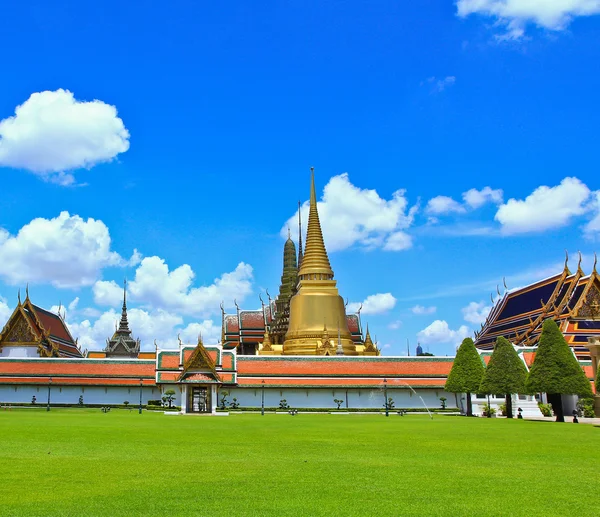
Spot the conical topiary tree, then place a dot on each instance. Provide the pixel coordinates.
(505, 373)
(555, 370)
(467, 372)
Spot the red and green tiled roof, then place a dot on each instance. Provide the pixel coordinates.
(72, 371)
(314, 366)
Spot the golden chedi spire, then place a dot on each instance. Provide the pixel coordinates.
(315, 260)
(317, 303)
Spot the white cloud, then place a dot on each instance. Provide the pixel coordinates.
(52, 133)
(420, 310)
(515, 15)
(545, 208)
(374, 304)
(476, 312)
(439, 85)
(593, 227)
(443, 205)
(395, 325)
(353, 216)
(159, 325)
(398, 241)
(5, 312)
(155, 286)
(440, 333)
(66, 251)
(107, 293)
(475, 198)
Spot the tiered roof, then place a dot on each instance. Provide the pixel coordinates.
(572, 300)
(30, 325)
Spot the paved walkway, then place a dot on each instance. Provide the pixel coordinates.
(568, 419)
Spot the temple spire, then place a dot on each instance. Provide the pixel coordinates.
(299, 234)
(315, 262)
(124, 324)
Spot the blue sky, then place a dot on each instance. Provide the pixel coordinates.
(186, 132)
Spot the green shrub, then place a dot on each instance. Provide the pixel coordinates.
(546, 409)
(585, 407)
(488, 410)
(502, 409)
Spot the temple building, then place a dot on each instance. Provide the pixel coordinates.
(571, 299)
(35, 332)
(308, 317)
(121, 344)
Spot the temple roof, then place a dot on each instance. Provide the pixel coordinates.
(519, 314)
(44, 327)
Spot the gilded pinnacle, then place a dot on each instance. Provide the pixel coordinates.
(315, 260)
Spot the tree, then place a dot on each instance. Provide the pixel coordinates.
(467, 372)
(555, 370)
(169, 397)
(505, 373)
(338, 402)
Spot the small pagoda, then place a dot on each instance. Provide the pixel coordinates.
(122, 343)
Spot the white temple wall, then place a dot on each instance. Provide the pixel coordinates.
(19, 351)
(323, 397)
(15, 394)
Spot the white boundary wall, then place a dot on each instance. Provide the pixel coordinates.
(15, 394)
(323, 397)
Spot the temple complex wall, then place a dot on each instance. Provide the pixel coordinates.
(323, 397)
(22, 394)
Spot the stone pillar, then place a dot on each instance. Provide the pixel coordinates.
(184, 398)
(594, 348)
(213, 398)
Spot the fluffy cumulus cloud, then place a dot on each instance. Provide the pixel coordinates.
(443, 205)
(159, 325)
(67, 251)
(545, 208)
(158, 287)
(52, 133)
(351, 216)
(440, 333)
(5, 312)
(476, 312)
(592, 228)
(515, 15)
(374, 304)
(395, 325)
(474, 198)
(420, 310)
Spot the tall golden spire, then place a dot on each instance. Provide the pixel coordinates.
(315, 262)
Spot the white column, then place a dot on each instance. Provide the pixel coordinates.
(184, 399)
(213, 398)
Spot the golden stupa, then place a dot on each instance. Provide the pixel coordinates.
(317, 305)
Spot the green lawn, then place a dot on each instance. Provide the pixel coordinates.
(83, 462)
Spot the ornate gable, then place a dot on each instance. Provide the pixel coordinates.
(588, 306)
(19, 331)
(199, 360)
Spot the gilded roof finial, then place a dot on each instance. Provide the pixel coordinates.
(504, 282)
(19, 296)
(289, 233)
(579, 262)
(498, 290)
(595, 262)
(27, 291)
(566, 259)
(315, 262)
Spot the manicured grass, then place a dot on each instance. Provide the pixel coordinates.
(83, 462)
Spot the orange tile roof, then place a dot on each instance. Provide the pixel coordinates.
(340, 382)
(87, 381)
(76, 368)
(347, 366)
